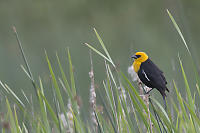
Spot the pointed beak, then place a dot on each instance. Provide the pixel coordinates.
(134, 57)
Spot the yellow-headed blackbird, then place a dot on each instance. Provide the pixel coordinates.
(149, 73)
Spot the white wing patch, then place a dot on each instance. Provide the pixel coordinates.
(145, 75)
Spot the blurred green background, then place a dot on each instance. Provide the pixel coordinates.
(126, 26)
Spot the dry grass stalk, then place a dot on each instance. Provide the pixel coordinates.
(70, 118)
(145, 98)
(93, 96)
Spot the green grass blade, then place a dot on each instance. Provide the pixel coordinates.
(198, 90)
(109, 95)
(165, 116)
(3, 86)
(111, 92)
(187, 86)
(11, 118)
(15, 96)
(25, 60)
(136, 117)
(193, 114)
(126, 113)
(192, 127)
(50, 109)
(99, 53)
(78, 125)
(43, 108)
(73, 87)
(103, 46)
(25, 128)
(64, 79)
(138, 109)
(99, 124)
(56, 87)
(177, 122)
(178, 30)
(181, 102)
(71, 70)
(181, 35)
(138, 98)
(162, 109)
(135, 92)
(42, 127)
(107, 111)
(25, 96)
(27, 74)
(111, 75)
(9, 91)
(16, 121)
(175, 106)
(57, 110)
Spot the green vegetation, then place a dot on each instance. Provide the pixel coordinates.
(122, 109)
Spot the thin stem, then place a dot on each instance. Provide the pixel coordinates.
(156, 115)
(25, 60)
(146, 100)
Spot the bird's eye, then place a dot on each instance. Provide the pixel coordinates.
(138, 56)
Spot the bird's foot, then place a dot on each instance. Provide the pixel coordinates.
(148, 90)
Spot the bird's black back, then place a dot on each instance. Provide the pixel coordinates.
(152, 76)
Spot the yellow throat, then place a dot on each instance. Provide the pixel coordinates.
(137, 62)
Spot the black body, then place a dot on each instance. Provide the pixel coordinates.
(152, 77)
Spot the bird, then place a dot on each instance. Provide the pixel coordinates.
(150, 74)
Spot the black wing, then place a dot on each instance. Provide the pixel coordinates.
(157, 69)
(152, 76)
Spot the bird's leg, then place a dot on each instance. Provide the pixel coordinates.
(144, 88)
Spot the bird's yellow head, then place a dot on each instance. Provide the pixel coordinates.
(139, 57)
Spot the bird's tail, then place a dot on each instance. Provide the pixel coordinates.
(164, 99)
(167, 89)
